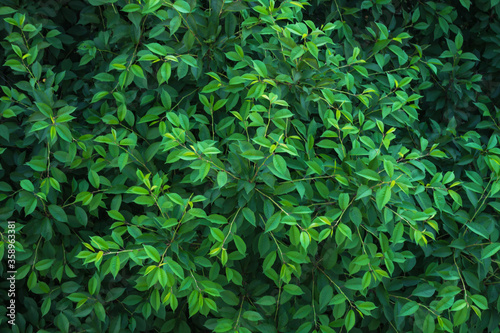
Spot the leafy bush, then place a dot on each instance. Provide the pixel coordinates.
(251, 166)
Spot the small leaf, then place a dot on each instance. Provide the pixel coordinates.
(116, 215)
(293, 289)
(409, 309)
(260, 67)
(176, 268)
(345, 230)
(369, 174)
(114, 266)
(350, 320)
(46, 306)
(490, 250)
(138, 190)
(383, 196)
(58, 213)
(182, 6)
(152, 253)
(363, 191)
(480, 301)
(344, 201)
(249, 215)
(137, 70)
(280, 164)
(157, 48)
(189, 60)
(221, 179)
(466, 4)
(27, 185)
(252, 316)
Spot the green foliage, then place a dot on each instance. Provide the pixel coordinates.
(251, 166)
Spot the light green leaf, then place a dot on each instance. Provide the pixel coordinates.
(293, 289)
(152, 253)
(176, 268)
(350, 320)
(116, 215)
(490, 250)
(260, 67)
(369, 174)
(137, 70)
(383, 196)
(182, 6)
(280, 164)
(345, 230)
(114, 266)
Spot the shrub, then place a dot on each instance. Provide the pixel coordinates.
(251, 166)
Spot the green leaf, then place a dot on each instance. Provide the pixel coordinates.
(137, 70)
(122, 161)
(152, 253)
(479, 229)
(116, 215)
(249, 215)
(176, 268)
(157, 49)
(345, 230)
(252, 316)
(480, 301)
(98, 96)
(44, 264)
(182, 6)
(253, 155)
(189, 60)
(27, 185)
(350, 320)
(166, 71)
(383, 196)
(313, 49)
(402, 56)
(369, 174)
(280, 164)
(260, 67)
(363, 191)
(58, 213)
(466, 4)
(240, 244)
(62, 322)
(138, 190)
(429, 325)
(266, 300)
(45, 109)
(490, 250)
(408, 309)
(217, 234)
(45, 308)
(221, 178)
(104, 77)
(99, 311)
(459, 39)
(114, 266)
(343, 201)
(4, 10)
(355, 216)
(424, 290)
(305, 239)
(293, 289)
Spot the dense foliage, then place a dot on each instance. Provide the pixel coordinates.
(251, 166)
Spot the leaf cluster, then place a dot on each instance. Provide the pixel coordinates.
(251, 166)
